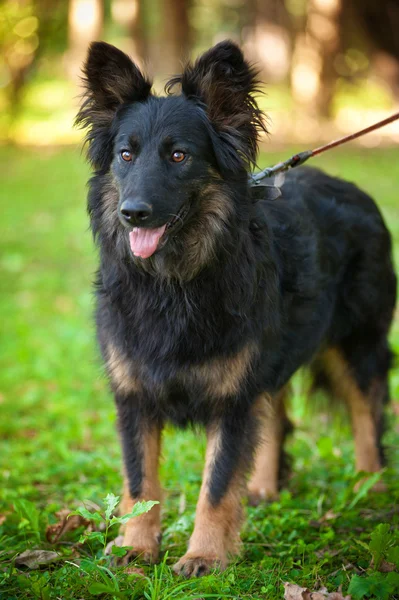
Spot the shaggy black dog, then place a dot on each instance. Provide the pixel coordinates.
(208, 300)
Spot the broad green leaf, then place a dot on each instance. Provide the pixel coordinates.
(111, 502)
(381, 587)
(119, 550)
(393, 580)
(359, 587)
(380, 542)
(92, 536)
(138, 509)
(393, 555)
(86, 514)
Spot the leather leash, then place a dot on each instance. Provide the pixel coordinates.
(301, 157)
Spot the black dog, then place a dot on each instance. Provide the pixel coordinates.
(208, 302)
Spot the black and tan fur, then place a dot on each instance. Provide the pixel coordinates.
(209, 328)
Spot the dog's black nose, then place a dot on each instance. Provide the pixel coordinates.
(135, 211)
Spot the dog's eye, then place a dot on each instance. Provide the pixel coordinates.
(126, 155)
(178, 156)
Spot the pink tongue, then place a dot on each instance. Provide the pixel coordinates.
(144, 242)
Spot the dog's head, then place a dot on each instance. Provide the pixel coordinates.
(164, 157)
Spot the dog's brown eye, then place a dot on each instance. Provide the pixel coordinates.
(178, 156)
(126, 155)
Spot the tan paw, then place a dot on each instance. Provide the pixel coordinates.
(191, 565)
(146, 555)
(144, 544)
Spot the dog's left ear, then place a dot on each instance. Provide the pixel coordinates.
(224, 83)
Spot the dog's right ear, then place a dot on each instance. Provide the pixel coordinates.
(111, 79)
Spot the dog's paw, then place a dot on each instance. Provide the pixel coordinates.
(192, 565)
(144, 546)
(145, 555)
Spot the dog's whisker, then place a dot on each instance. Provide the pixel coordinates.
(175, 216)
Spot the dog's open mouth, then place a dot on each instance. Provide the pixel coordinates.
(145, 242)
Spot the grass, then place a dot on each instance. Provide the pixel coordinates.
(59, 450)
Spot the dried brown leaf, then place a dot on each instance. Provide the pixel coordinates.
(330, 515)
(134, 571)
(385, 566)
(296, 592)
(34, 559)
(64, 525)
(2, 519)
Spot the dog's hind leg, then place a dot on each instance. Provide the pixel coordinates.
(218, 519)
(270, 464)
(360, 379)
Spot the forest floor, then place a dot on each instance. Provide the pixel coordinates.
(58, 445)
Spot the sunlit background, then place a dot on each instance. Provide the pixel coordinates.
(329, 66)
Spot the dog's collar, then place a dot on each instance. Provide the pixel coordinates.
(264, 191)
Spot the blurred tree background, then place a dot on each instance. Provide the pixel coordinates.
(330, 65)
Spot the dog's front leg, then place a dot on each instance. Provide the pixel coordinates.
(219, 510)
(140, 439)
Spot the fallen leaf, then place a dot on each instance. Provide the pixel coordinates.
(64, 525)
(34, 559)
(385, 566)
(2, 519)
(296, 592)
(134, 571)
(329, 516)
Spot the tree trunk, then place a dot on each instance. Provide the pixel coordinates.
(85, 24)
(176, 36)
(19, 51)
(129, 15)
(313, 74)
(267, 38)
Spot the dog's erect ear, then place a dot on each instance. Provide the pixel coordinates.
(224, 82)
(110, 79)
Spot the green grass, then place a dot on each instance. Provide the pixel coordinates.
(58, 446)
